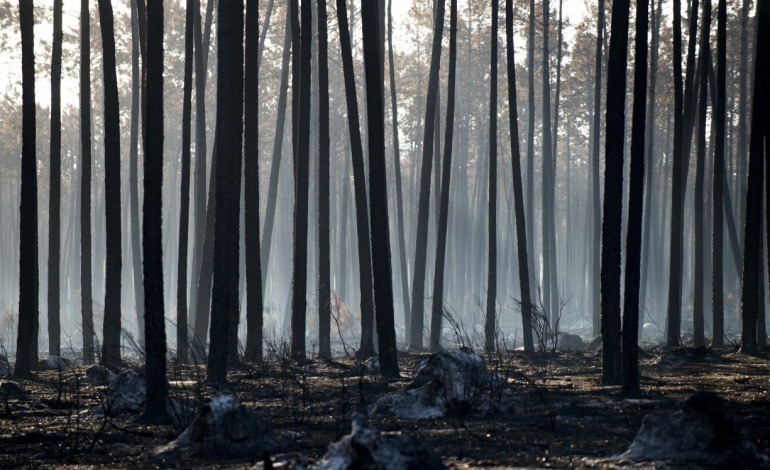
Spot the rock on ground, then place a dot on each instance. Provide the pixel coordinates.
(365, 447)
(223, 427)
(570, 342)
(125, 394)
(97, 374)
(595, 345)
(455, 381)
(700, 432)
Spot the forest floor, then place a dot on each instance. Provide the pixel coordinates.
(556, 414)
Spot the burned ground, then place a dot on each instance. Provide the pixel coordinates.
(541, 410)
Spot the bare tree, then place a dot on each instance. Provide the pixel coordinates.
(490, 322)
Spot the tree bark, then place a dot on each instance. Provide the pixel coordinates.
(85, 185)
(378, 196)
(443, 216)
(26, 352)
(366, 281)
(758, 146)
(184, 205)
(630, 345)
(324, 255)
(490, 334)
(154, 320)
(518, 194)
(301, 184)
(595, 178)
(423, 207)
(674, 310)
(613, 193)
(699, 268)
(54, 202)
(112, 314)
(229, 139)
(397, 170)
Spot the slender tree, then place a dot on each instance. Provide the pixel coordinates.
(184, 205)
(397, 170)
(275, 167)
(717, 190)
(423, 207)
(137, 88)
(112, 314)
(531, 134)
(489, 326)
(518, 193)
(324, 256)
(443, 217)
(750, 307)
(699, 268)
(26, 353)
(630, 348)
(366, 280)
(154, 319)
(595, 162)
(378, 196)
(229, 139)
(301, 184)
(54, 201)
(673, 317)
(85, 185)
(251, 198)
(613, 193)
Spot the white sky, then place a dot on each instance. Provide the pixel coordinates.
(574, 9)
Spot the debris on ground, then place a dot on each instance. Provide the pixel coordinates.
(684, 355)
(567, 342)
(97, 374)
(455, 381)
(225, 428)
(51, 362)
(365, 447)
(11, 389)
(595, 345)
(5, 369)
(700, 432)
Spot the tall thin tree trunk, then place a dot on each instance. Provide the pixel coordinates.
(254, 298)
(490, 326)
(518, 194)
(649, 157)
(699, 268)
(324, 255)
(275, 167)
(630, 345)
(423, 208)
(112, 314)
(133, 174)
(441, 234)
(378, 196)
(718, 186)
(613, 193)
(184, 205)
(531, 138)
(54, 202)
(301, 183)
(758, 145)
(674, 309)
(229, 139)
(85, 184)
(595, 146)
(366, 281)
(154, 321)
(397, 170)
(549, 287)
(26, 353)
